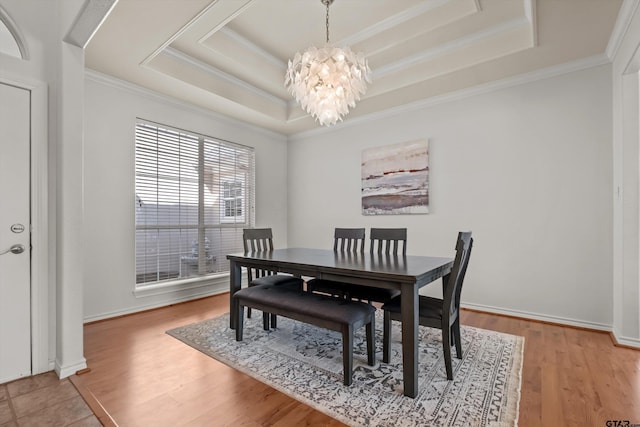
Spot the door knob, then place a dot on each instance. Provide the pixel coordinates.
(15, 249)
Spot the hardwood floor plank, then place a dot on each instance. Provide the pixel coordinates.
(141, 376)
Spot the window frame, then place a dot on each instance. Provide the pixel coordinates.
(229, 169)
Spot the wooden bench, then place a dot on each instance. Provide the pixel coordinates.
(328, 312)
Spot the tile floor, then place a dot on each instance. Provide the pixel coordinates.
(44, 400)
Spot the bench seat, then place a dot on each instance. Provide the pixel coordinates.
(327, 312)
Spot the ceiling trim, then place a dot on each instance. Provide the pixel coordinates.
(453, 45)
(623, 22)
(107, 80)
(251, 47)
(392, 21)
(87, 22)
(225, 21)
(545, 73)
(181, 31)
(181, 56)
(531, 12)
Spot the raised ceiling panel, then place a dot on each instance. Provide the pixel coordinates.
(398, 31)
(201, 75)
(230, 56)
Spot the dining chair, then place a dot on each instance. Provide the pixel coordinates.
(435, 312)
(385, 242)
(345, 240)
(258, 240)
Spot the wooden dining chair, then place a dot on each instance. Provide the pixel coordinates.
(435, 312)
(388, 241)
(385, 243)
(345, 240)
(260, 240)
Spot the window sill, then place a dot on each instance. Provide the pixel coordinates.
(217, 282)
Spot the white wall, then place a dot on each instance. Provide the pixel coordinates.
(626, 184)
(111, 109)
(528, 169)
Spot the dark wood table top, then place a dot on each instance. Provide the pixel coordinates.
(396, 268)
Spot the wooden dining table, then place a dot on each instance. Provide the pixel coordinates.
(403, 272)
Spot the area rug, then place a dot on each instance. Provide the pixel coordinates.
(305, 362)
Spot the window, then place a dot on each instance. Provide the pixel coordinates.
(192, 192)
(232, 197)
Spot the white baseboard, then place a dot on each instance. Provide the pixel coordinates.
(629, 342)
(201, 293)
(68, 370)
(542, 317)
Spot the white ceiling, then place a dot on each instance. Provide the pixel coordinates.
(230, 56)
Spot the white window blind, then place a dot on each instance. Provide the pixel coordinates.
(192, 192)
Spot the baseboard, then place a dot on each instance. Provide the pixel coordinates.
(632, 343)
(68, 370)
(206, 292)
(564, 321)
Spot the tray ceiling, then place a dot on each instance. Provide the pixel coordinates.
(230, 56)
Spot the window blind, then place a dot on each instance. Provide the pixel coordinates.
(194, 195)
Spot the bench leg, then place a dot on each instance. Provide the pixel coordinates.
(266, 323)
(371, 341)
(347, 354)
(386, 338)
(239, 322)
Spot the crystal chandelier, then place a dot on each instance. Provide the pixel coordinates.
(327, 82)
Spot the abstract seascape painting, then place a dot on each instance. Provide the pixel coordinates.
(395, 179)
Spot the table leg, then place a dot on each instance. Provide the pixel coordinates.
(410, 324)
(235, 282)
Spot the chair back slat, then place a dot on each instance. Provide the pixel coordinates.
(456, 276)
(348, 240)
(257, 240)
(388, 241)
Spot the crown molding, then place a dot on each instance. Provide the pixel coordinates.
(249, 45)
(209, 69)
(543, 74)
(90, 18)
(392, 21)
(226, 20)
(114, 82)
(531, 77)
(531, 12)
(627, 11)
(451, 46)
(178, 33)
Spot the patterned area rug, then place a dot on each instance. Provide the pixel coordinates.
(305, 363)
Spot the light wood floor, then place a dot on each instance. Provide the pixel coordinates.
(143, 377)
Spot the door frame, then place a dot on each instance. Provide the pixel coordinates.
(42, 321)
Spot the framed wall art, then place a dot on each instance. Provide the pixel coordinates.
(395, 179)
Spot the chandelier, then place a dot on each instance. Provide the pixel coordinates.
(327, 82)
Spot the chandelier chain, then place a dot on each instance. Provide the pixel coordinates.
(328, 3)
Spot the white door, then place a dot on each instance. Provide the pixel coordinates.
(15, 283)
